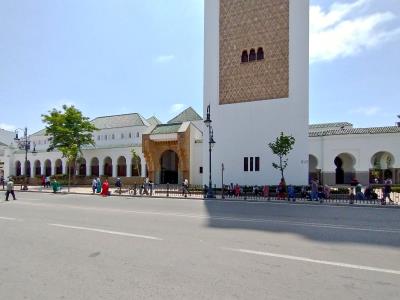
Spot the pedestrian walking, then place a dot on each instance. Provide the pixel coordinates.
(118, 184)
(43, 181)
(10, 189)
(185, 187)
(314, 190)
(387, 190)
(2, 181)
(94, 185)
(98, 185)
(48, 181)
(104, 188)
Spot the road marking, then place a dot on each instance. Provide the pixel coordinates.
(8, 219)
(316, 261)
(220, 218)
(108, 231)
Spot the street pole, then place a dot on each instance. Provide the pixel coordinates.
(222, 172)
(26, 158)
(211, 142)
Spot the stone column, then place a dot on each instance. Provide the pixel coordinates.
(115, 168)
(64, 167)
(129, 167)
(42, 168)
(101, 167)
(143, 164)
(88, 169)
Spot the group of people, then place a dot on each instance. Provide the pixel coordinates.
(46, 182)
(101, 188)
(370, 194)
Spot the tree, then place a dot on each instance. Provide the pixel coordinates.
(135, 160)
(282, 146)
(69, 131)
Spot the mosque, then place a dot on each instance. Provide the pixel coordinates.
(255, 87)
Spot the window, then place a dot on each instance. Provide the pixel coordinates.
(260, 54)
(105, 137)
(98, 137)
(257, 167)
(252, 55)
(246, 164)
(245, 56)
(201, 170)
(137, 134)
(122, 136)
(251, 164)
(113, 136)
(130, 135)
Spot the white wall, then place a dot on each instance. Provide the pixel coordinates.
(245, 129)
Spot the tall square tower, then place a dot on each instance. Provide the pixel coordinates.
(256, 83)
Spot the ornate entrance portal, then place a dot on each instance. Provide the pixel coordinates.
(169, 163)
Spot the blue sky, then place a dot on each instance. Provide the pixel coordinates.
(121, 56)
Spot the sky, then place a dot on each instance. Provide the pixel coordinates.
(111, 57)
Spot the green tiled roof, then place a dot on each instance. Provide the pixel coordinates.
(154, 121)
(166, 129)
(120, 121)
(187, 115)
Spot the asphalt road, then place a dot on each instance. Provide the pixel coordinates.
(88, 247)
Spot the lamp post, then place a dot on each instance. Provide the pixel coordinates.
(24, 144)
(211, 142)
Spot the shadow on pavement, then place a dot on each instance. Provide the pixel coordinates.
(321, 223)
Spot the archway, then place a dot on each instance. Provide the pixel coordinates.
(47, 167)
(136, 166)
(313, 171)
(82, 166)
(108, 167)
(121, 167)
(169, 163)
(345, 171)
(58, 167)
(94, 167)
(37, 168)
(381, 167)
(17, 168)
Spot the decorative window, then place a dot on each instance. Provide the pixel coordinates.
(245, 56)
(246, 164)
(260, 54)
(130, 135)
(113, 136)
(201, 170)
(252, 55)
(137, 134)
(251, 164)
(122, 136)
(105, 137)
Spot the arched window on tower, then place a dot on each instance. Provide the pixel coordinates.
(252, 55)
(245, 56)
(260, 54)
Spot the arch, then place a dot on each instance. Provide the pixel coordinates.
(94, 167)
(252, 55)
(136, 166)
(108, 167)
(47, 167)
(58, 167)
(169, 163)
(37, 168)
(82, 167)
(260, 53)
(245, 56)
(345, 171)
(121, 166)
(17, 168)
(382, 164)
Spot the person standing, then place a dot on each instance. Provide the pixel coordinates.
(10, 189)
(314, 189)
(104, 188)
(2, 181)
(118, 184)
(43, 180)
(98, 185)
(185, 187)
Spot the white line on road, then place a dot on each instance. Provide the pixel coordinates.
(220, 218)
(108, 231)
(316, 261)
(8, 219)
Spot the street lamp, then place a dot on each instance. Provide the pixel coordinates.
(211, 143)
(24, 144)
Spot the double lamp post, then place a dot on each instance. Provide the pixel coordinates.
(24, 143)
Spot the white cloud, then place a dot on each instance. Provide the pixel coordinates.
(367, 111)
(333, 34)
(176, 108)
(8, 127)
(162, 59)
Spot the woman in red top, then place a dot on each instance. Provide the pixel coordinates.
(104, 188)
